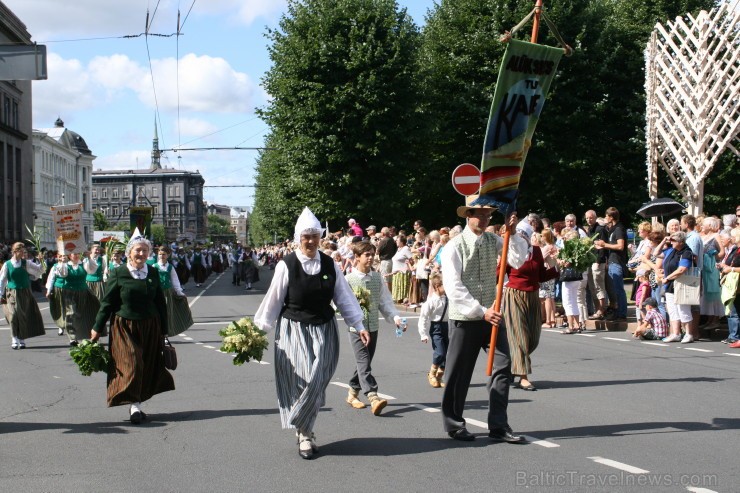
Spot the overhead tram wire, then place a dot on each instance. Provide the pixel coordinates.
(187, 15)
(177, 81)
(236, 148)
(151, 72)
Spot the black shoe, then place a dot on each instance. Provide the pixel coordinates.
(136, 417)
(505, 435)
(72, 343)
(462, 434)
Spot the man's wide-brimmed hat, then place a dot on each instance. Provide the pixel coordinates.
(463, 209)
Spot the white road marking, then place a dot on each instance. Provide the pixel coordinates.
(209, 347)
(551, 330)
(697, 349)
(224, 323)
(199, 343)
(732, 354)
(187, 338)
(615, 339)
(426, 408)
(475, 422)
(190, 305)
(656, 343)
(694, 489)
(541, 443)
(586, 335)
(619, 465)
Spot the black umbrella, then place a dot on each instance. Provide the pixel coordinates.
(660, 207)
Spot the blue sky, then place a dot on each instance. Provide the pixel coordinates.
(102, 88)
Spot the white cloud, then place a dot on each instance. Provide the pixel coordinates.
(68, 89)
(247, 11)
(194, 127)
(135, 159)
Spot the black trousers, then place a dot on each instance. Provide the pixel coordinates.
(467, 338)
(363, 378)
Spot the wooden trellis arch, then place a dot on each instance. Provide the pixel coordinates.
(692, 81)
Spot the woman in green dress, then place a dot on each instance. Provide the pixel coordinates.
(19, 305)
(179, 318)
(79, 304)
(94, 267)
(135, 299)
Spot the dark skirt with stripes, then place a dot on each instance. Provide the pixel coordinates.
(79, 309)
(183, 274)
(521, 312)
(179, 317)
(22, 313)
(97, 288)
(137, 371)
(306, 357)
(199, 274)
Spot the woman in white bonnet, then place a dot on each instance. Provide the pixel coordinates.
(306, 339)
(135, 299)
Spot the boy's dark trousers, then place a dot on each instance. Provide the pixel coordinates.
(363, 378)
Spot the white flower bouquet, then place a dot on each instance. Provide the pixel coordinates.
(245, 339)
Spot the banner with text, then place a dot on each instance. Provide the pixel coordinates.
(523, 83)
(68, 228)
(141, 217)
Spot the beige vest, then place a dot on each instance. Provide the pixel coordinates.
(372, 283)
(479, 255)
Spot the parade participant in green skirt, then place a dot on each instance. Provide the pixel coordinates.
(19, 305)
(54, 285)
(198, 264)
(94, 267)
(179, 318)
(135, 300)
(79, 304)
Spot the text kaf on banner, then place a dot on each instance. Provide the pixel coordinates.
(522, 86)
(68, 228)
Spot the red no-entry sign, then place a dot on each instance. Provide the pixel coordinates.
(466, 179)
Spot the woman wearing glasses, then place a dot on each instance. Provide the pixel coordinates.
(678, 259)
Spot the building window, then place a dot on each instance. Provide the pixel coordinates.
(104, 192)
(6, 110)
(95, 193)
(155, 192)
(191, 207)
(115, 210)
(84, 201)
(126, 193)
(115, 193)
(14, 116)
(155, 210)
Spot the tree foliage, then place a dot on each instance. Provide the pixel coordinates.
(100, 222)
(343, 115)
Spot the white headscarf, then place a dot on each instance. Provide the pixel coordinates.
(307, 224)
(136, 238)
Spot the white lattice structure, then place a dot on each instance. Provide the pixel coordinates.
(693, 98)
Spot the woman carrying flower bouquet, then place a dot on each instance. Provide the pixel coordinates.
(179, 318)
(306, 338)
(574, 258)
(135, 299)
(19, 305)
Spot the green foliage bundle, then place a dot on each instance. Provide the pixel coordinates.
(244, 339)
(90, 357)
(578, 252)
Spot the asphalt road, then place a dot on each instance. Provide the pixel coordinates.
(610, 414)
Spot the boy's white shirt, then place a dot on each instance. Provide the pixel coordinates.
(431, 311)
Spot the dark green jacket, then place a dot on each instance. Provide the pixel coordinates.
(132, 299)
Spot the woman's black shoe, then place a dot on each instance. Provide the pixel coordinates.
(462, 434)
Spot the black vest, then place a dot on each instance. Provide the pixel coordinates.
(308, 299)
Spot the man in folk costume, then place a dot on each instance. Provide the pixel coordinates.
(306, 338)
(20, 307)
(469, 278)
(94, 267)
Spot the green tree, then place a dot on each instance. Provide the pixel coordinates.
(158, 234)
(343, 115)
(219, 229)
(100, 222)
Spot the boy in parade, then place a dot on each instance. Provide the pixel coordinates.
(362, 276)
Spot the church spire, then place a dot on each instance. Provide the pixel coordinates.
(155, 148)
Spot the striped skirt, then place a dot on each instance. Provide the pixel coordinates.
(306, 357)
(521, 312)
(401, 286)
(22, 313)
(79, 309)
(97, 288)
(179, 317)
(137, 371)
(56, 307)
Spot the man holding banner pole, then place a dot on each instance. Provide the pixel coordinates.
(469, 277)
